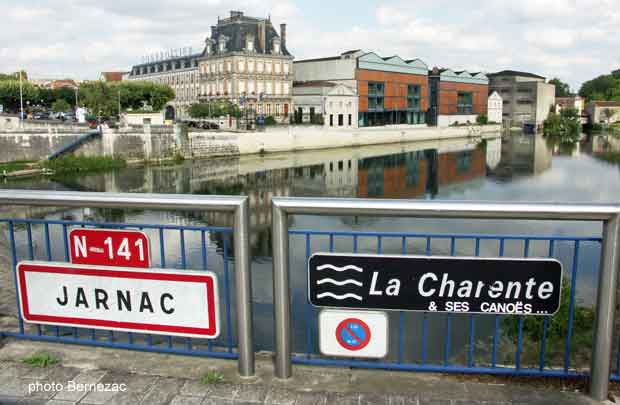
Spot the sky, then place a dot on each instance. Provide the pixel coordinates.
(575, 40)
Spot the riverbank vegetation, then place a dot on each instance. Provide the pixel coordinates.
(72, 164)
(564, 126)
(101, 98)
(556, 334)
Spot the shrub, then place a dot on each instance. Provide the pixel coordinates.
(269, 120)
(41, 360)
(482, 119)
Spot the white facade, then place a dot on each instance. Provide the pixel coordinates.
(154, 118)
(337, 103)
(495, 107)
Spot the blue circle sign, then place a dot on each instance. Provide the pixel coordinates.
(353, 334)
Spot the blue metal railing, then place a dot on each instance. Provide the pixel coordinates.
(463, 343)
(34, 239)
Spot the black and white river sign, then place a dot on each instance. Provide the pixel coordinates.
(435, 283)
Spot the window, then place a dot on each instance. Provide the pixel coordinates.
(413, 97)
(349, 125)
(375, 95)
(241, 66)
(268, 67)
(340, 120)
(331, 120)
(285, 68)
(260, 66)
(340, 165)
(464, 103)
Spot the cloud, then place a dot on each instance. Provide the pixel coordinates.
(575, 39)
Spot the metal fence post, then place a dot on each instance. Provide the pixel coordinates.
(605, 310)
(282, 295)
(243, 296)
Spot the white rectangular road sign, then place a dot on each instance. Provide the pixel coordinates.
(165, 302)
(353, 333)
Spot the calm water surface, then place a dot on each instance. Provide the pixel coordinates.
(513, 168)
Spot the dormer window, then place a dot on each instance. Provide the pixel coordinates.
(275, 46)
(249, 43)
(222, 43)
(209, 46)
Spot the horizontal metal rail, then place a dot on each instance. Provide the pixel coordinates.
(236, 205)
(609, 214)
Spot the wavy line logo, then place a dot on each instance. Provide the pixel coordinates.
(349, 283)
(339, 283)
(339, 269)
(339, 297)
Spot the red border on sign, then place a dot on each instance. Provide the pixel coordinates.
(207, 279)
(343, 325)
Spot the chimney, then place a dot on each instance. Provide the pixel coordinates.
(283, 36)
(261, 36)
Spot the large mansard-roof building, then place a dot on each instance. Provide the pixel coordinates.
(244, 61)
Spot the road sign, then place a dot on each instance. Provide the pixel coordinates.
(353, 333)
(109, 247)
(435, 283)
(157, 301)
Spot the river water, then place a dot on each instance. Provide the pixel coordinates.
(511, 168)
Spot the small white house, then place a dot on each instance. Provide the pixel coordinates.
(336, 102)
(495, 107)
(142, 118)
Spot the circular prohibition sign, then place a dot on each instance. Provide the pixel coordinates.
(353, 334)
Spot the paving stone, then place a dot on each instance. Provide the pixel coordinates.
(281, 396)
(435, 402)
(310, 398)
(373, 399)
(13, 369)
(5, 399)
(163, 391)
(343, 399)
(73, 392)
(13, 387)
(194, 388)
(403, 400)
(132, 383)
(57, 402)
(251, 393)
(186, 400)
(222, 391)
(217, 401)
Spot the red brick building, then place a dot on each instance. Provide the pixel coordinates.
(456, 97)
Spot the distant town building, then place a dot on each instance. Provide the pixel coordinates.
(456, 96)
(112, 76)
(575, 102)
(336, 104)
(616, 73)
(495, 107)
(527, 99)
(603, 111)
(246, 62)
(390, 90)
(178, 72)
(55, 83)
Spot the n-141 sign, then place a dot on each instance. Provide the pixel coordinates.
(166, 302)
(109, 247)
(435, 283)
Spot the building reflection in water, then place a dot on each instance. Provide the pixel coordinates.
(522, 155)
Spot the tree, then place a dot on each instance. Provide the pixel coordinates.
(9, 94)
(608, 113)
(61, 105)
(561, 89)
(602, 88)
(13, 76)
(213, 109)
(103, 98)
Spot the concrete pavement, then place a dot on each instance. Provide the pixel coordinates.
(153, 378)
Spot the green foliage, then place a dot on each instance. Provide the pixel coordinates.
(482, 119)
(61, 106)
(73, 164)
(561, 89)
(565, 126)
(212, 377)
(13, 76)
(533, 326)
(14, 166)
(213, 109)
(269, 120)
(604, 87)
(41, 359)
(103, 98)
(9, 94)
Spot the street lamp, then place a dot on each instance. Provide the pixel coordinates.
(21, 96)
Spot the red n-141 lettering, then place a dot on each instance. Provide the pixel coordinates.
(81, 248)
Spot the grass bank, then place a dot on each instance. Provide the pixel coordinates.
(15, 166)
(72, 164)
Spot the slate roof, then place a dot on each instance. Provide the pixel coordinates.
(237, 27)
(515, 73)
